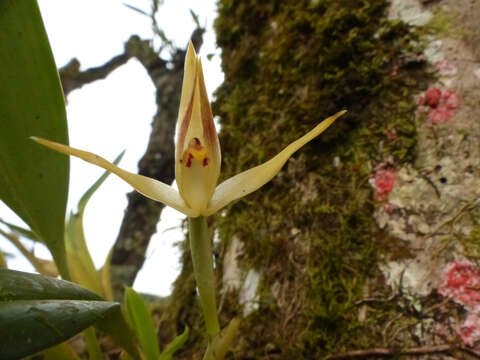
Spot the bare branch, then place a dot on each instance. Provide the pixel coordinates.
(72, 78)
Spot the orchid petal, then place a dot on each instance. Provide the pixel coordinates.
(248, 181)
(151, 188)
(197, 150)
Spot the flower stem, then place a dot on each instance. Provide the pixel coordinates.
(202, 257)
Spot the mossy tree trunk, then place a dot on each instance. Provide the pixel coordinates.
(351, 246)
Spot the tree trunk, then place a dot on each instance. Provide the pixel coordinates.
(367, 243)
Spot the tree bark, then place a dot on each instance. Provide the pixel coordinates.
(366, 244)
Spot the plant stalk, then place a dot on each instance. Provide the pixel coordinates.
(202, 258)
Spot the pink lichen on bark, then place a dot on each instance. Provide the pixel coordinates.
(388, 208)
(446, 68)
(462, 283)
(441, 104)
(469, 331)
(432, 97)
(383, 182)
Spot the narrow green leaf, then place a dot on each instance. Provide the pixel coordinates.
(93, 346)
(88, 194)
(80, 263)
(60, 352)
(33, 180)
(175, 345)
(142, 322)
(106, 278)
(28, 326)
(119, 330)
(29, 234)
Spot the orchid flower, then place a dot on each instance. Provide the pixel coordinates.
(197, 155)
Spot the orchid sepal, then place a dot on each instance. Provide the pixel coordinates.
(250, 180)
(151, 188)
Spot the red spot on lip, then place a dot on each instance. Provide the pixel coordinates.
(205, 162)
(189, 160)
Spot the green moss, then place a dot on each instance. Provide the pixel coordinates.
(441, 24)
(471, 244)
(311, 232)
(288, 65)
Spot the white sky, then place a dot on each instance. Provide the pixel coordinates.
(109, 116)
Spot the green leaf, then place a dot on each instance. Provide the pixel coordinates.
(33, 180)
(17, 285)
(28, 326)
(37, 312)
(142, 322)
(80, 263)
(29, 234)
(93, 346)
(88, 194)
(175, 345)
(60, 352)
(117, 327)
(106, 278)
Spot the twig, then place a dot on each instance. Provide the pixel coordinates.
(384, 352)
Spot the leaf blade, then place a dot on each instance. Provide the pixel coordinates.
(141, 319)
(175, 345)
(18, 285)
(33, 325)
(33, 182)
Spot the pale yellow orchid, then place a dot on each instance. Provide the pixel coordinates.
(197, 155)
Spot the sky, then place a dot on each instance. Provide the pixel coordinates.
(112, 115)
